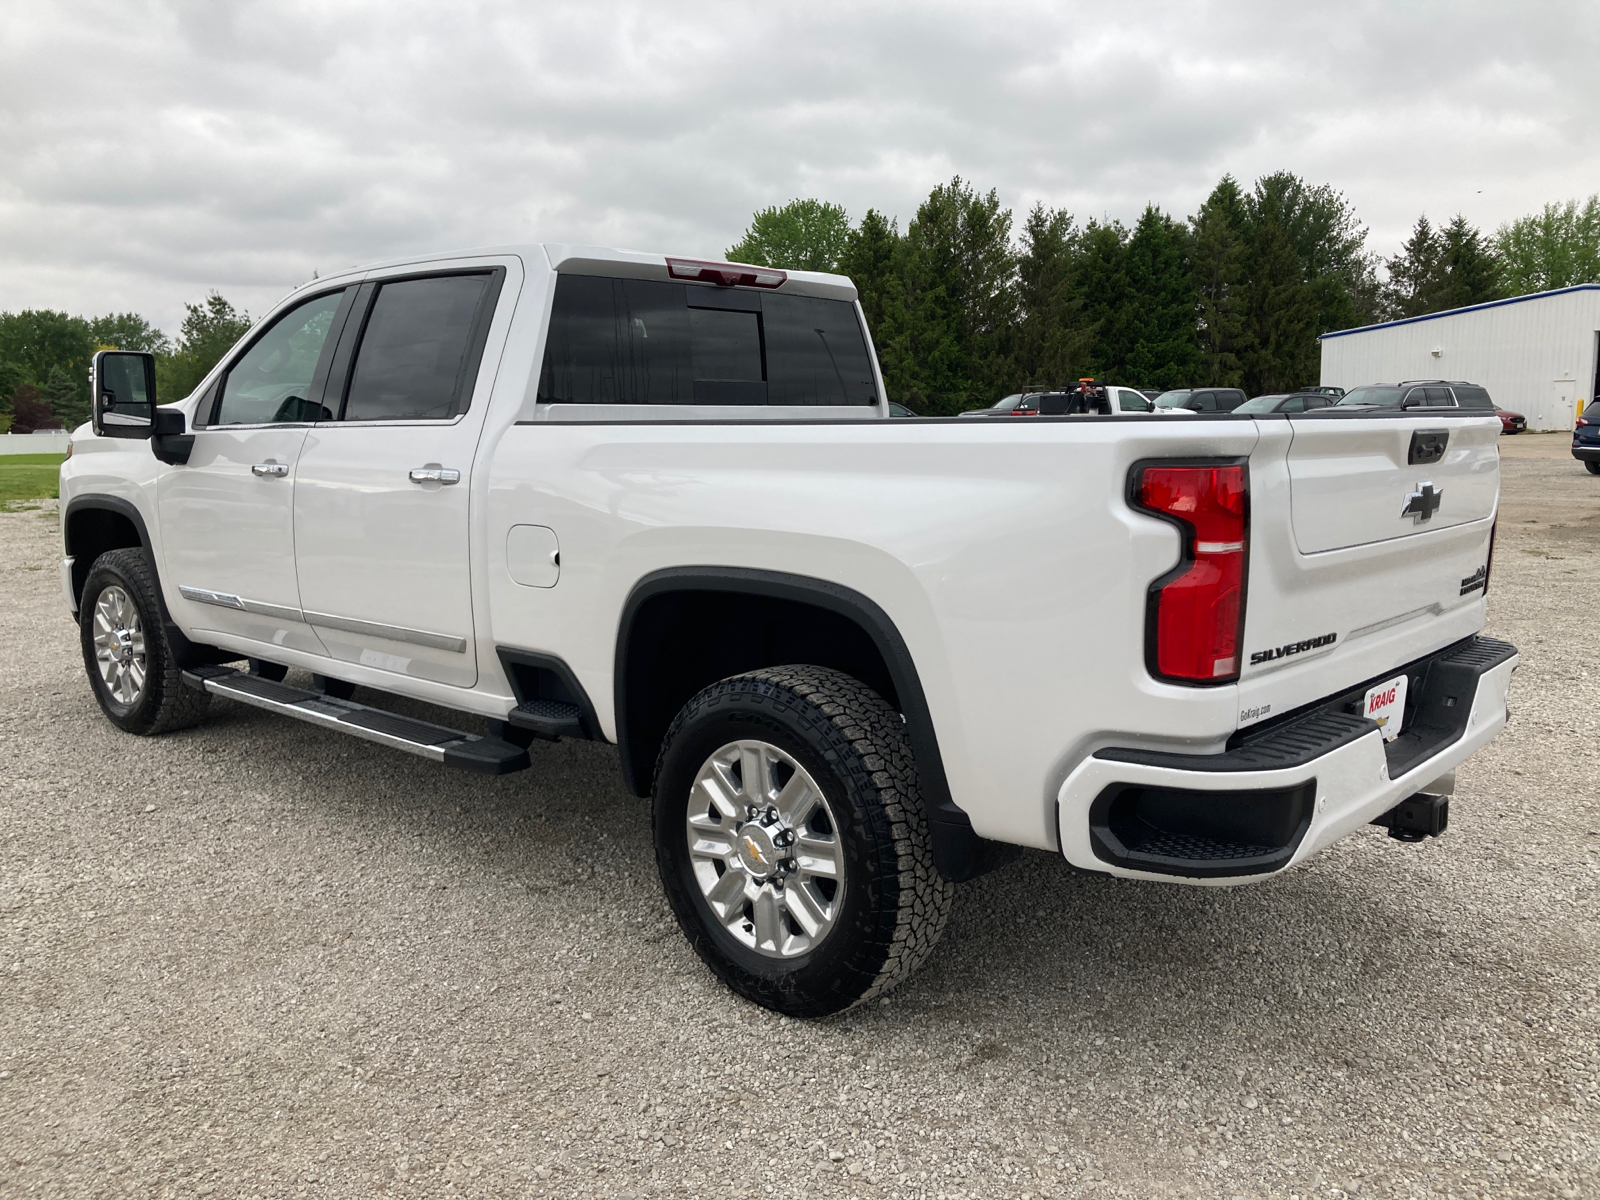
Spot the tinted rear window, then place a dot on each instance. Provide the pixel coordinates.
(638, 341)
(1473, 397)
(416, 349)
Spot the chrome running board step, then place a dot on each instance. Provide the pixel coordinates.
(468, 751)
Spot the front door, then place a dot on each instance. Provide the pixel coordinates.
(227, 515)
(382, 492)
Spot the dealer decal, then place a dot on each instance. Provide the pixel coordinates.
(1277, 652)
(1476, 580)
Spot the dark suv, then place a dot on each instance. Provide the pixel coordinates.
(1201, 399)
(1419, 393)
(1586, 438)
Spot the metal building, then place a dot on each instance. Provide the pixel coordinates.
(1538, 355)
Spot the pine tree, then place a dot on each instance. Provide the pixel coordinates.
(1414, 272)
(1219, 256)
(1164, 350)
(1283, 314)
(1468, 271)
(1052, 343)
(869, 261)
(952, 341)
(67, 397)
(1102, 287)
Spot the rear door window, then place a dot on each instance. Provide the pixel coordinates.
(417, 350)
(1474, 397)
(635, 341)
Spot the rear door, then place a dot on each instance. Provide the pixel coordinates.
(383, 491)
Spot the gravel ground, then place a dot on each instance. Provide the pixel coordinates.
(258, 959)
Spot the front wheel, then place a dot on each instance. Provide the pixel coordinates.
(791, 840)
(131, 667)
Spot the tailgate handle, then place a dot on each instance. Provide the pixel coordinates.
(1427, 446)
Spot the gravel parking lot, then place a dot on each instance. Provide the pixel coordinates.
(259, 959)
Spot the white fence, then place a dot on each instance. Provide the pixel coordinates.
(46, 441)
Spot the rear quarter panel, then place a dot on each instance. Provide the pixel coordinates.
(1003, 551)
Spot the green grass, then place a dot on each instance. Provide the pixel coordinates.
(29, 476)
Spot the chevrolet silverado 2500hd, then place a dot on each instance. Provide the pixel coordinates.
(852, 661)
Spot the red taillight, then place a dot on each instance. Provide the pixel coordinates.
(726, 274)
(1581, 421)
(1197, 612)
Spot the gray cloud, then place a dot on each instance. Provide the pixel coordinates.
(149, 152)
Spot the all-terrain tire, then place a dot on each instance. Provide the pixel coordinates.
(895, 903)
(161, 703)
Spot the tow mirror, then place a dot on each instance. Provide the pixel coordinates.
(124, 394)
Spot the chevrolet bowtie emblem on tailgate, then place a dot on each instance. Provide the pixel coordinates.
(1422, 503)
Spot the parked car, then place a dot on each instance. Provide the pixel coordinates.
(1106, 399)
(1004, 405)
(1286, 402)
(1586, 438)
(1335, 392)
(1419, 393)
(896, 409)
(1199, 400)
(1511, 422)
(542, 487)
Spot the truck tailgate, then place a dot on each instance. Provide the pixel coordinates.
(1361, 559)
(1350, 478)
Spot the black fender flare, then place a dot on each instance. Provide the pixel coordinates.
(959, 852)
(187, 653)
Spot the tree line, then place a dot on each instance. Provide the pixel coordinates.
(45, 355)
(964, 308)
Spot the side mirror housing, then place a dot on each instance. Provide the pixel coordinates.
(124, 394)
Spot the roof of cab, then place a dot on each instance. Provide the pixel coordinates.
(603, 260)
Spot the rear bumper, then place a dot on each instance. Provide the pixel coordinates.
(1287, 791)
(1586, 453)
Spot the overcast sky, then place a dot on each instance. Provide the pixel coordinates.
(152, 151)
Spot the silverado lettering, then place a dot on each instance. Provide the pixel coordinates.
(1277, 652)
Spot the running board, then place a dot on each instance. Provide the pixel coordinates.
(550, 719)
(468, 751)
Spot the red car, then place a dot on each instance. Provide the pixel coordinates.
(1510, 422)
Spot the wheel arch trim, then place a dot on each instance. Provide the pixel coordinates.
(959, 852)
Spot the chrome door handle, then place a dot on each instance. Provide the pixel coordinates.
(435, 475)
(270, 470)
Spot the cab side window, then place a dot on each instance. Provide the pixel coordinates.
(1293, 404)
(1203, 402)
(271, 382)
(417, 349)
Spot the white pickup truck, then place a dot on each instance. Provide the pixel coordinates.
(656, 502)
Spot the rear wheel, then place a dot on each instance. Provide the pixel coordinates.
(135, 677)
(1594, 467)
(791, 840)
